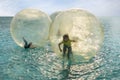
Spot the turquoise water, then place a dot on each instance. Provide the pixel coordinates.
(17, 63)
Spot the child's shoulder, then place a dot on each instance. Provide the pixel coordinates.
(70, 40)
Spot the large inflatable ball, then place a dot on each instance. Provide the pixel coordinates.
(81, 26)
(32, 25)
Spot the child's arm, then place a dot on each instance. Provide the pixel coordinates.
(59, 46)
(72, 40)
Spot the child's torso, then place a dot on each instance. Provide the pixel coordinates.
(67, 43)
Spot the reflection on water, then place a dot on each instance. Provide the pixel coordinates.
(43, 64)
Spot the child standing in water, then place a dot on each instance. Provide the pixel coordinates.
(66, 45)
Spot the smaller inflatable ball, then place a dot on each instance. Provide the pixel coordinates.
(81, 26)
(53, 15)
(31, 24)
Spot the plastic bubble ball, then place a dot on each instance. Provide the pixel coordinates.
(81, 26)
(53, 15)
(32, 24)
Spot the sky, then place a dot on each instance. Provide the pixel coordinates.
(97, 7)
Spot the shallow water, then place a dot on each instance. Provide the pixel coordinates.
(17, 63)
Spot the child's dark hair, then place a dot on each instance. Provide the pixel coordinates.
(64, 36)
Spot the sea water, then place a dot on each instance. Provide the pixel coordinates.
(16, 63)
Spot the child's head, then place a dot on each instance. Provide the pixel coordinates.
(30, 43)
(65, 37)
